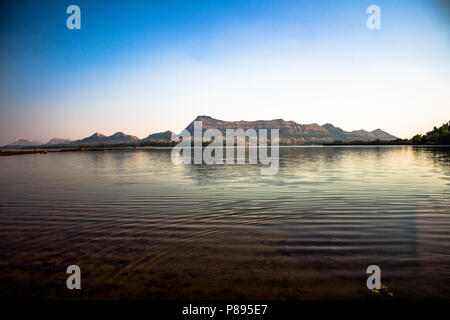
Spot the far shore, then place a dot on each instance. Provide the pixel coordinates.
(86, 149)
(45, 151)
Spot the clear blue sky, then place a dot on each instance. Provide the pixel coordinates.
(148, 66)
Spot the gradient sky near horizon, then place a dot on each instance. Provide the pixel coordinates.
(147, 66)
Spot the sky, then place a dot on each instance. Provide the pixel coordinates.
(148, 66)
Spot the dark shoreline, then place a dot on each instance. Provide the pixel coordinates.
(45, 151)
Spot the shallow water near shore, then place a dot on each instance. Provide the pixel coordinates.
(141, 227)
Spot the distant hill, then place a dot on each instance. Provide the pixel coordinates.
(295, 133)
(58, 141)
(96, 138)
(120, 137)
(24, 143)
(160, 136)
(100, 139)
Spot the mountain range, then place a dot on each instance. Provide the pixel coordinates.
(290, 133)
(295, 133)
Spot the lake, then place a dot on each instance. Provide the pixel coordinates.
(142, 227)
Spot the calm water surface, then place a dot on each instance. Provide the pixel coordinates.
(142, 227)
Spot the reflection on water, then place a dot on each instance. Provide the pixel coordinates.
(142, 227)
